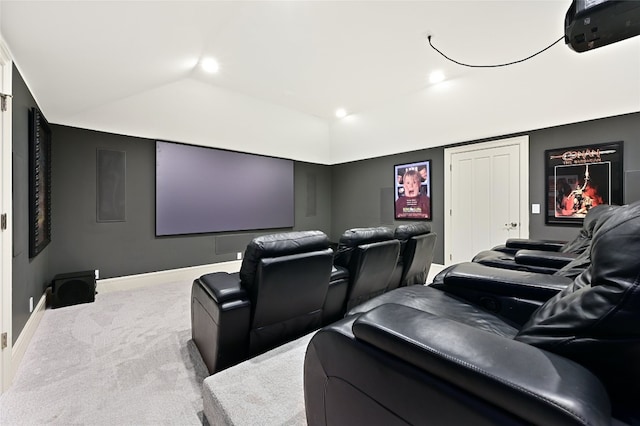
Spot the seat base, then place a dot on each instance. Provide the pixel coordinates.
(219, 331)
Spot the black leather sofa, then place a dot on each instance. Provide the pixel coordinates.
(418, 355)
(544, 256)
(279, 294)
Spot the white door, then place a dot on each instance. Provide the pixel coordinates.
(5, 208)
(486, 196)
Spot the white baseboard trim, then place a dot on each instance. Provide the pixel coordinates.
(433, 271)
(22, 343)
(130, 282)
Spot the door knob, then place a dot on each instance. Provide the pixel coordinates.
(514, 224)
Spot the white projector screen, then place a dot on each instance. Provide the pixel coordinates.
(203, 190)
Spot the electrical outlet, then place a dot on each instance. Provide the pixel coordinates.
(239, 255)
(97, 271)
(30, 304)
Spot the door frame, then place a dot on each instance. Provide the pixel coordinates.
(523, 143)
(6, 204)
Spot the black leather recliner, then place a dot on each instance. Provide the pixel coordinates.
(512, 295)
(419, 355)
(370, 256)
(515, 294)
(541, 255)
(417, 247)
(278, 295)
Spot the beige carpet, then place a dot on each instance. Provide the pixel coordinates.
(266, 390)
(126, 359)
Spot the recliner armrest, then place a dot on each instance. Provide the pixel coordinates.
(550, 259)
(223, 287)
(546, 245)
(507, 282)
(339, 273)
(531, 383)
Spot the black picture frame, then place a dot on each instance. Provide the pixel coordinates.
(412, 207)
(39, 182)
(581, 177)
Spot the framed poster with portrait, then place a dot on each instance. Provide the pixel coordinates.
(582, 177)
(412, 191)
(39, 182)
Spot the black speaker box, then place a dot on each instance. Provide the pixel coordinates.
(73, 288)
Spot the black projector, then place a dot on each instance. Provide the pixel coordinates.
(590, 24)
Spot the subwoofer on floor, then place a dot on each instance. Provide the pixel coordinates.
(73, 288)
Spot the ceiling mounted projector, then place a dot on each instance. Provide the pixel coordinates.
(590, 24)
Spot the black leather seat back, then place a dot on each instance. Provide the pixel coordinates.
(417, 259)
(582, 262)
(289, 297)
(278, 245)
(581, 242)
(406, 231)
(596, 320)
(367, 255)
(370, 269)
(352, 238)
(286, 277)
(411, 262)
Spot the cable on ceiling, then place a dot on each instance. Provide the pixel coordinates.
(494, 65)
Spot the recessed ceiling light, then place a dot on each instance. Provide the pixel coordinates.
(341, 113)
(436, 77)
(210, 65)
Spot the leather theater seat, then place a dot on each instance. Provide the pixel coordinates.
(541, 255)
(513, 295)
(510, 293)
(278, 295)
(418, 355)
(417, 247)
(370, 256)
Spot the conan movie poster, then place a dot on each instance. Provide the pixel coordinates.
(413, 190)
(580, 178)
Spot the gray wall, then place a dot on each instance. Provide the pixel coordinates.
(363, 193)
(79, 242)
(621, 128)
(30, 276)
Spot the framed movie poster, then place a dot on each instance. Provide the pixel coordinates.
(412, 190)
(39, 182)
(580, 178)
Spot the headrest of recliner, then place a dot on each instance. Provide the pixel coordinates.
(404, 232)
(595, 217)
(358, 236)
(615, 247)
(283, 244)
(596, 214)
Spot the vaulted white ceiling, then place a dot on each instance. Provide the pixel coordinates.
(130, 67)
